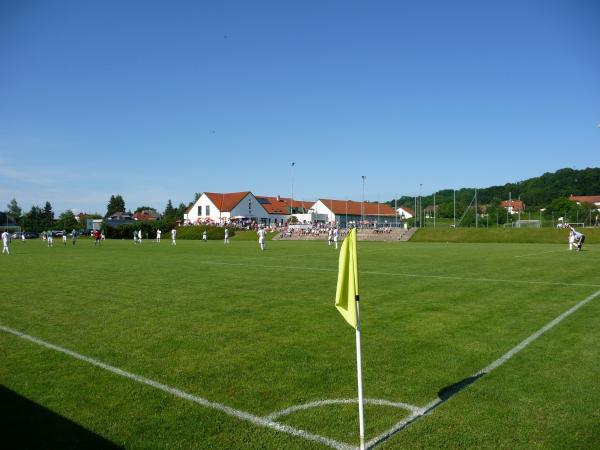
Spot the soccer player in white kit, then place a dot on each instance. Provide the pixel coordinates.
(140, 236)
(226, 236)
(5, 241)
(335, 237)
(64, 238)
(49, 239)
(23, 236)
(173, 236)
(571, 239)
(158, 232)
(204, 236)
(330, 236)
(261, 237)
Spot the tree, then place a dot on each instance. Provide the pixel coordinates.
(67, 221)
(33, 219)
(181, 210)
(47, 219)
(115, 204)
(13, 210)
(170, 212)
(144, 208)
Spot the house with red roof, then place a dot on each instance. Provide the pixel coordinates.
(218, 207)
(513, 206)
(590, 199)
(344, 212)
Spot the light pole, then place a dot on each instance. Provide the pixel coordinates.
(362, 205)
(292, 197)
(420, 206)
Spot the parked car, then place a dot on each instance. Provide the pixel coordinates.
(31, 235)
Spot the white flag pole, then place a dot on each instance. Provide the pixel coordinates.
(361, 409)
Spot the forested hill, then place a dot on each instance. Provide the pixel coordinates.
(538, 192)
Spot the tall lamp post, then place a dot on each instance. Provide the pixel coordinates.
(362, 205)
(292, 197)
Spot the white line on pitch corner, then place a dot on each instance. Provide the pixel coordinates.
(475, 377)
(248, 417)
(400, 274)
(369, 401)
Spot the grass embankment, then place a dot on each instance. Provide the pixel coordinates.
(502, 235)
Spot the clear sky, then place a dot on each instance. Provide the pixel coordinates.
(159, 100)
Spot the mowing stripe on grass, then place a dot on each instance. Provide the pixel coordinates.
(400, 274)
(539, 253)
(249, 417)
(456, 388)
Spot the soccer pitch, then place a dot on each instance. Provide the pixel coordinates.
(206, 345)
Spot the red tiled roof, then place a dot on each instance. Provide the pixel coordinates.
(273, 205)
(225, 202)
(517, 205)
(341, 207)
(305, 204)
(146, 215)
(585, 198)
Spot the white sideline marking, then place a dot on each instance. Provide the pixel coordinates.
(512, 352)
(540, 253)
(371, 401)
(256, 420)
(410, 275)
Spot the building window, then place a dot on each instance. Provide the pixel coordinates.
(207, 210)
(199, 210)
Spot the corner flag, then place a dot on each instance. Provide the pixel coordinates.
(346, 301)
(347, 284)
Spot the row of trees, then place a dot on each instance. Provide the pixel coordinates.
(44, 218)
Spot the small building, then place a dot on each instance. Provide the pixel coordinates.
(513, 206)
(118, 218)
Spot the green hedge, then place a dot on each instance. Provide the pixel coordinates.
(193, 232)
(501, 235)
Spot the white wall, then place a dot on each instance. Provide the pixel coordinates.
(321, 208)
(401, 211)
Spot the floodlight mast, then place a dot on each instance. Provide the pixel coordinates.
(362, 206)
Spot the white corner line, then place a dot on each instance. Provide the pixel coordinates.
(242, 415)
(494, 365)
(318, 403)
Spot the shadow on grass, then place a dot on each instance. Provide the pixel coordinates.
(27, 425)
(450, 391)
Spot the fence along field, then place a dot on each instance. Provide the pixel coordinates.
(258, 333)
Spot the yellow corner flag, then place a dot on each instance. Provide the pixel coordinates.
(347, 284)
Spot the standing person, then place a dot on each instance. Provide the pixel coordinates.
(64, 237)
(571, 239)
(173, 236)
(74, 236)
(329, 236)
(226, 235)
(49, 238)
(135, 236)
(335, 237)
(158, 232)
(205, 236)
(140, 236)
(5, 241)
(578, 238)
(261, 237)
(97, 237)
(22, 236)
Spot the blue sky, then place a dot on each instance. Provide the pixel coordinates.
(159, 100)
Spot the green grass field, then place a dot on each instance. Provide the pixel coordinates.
(257, 332)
